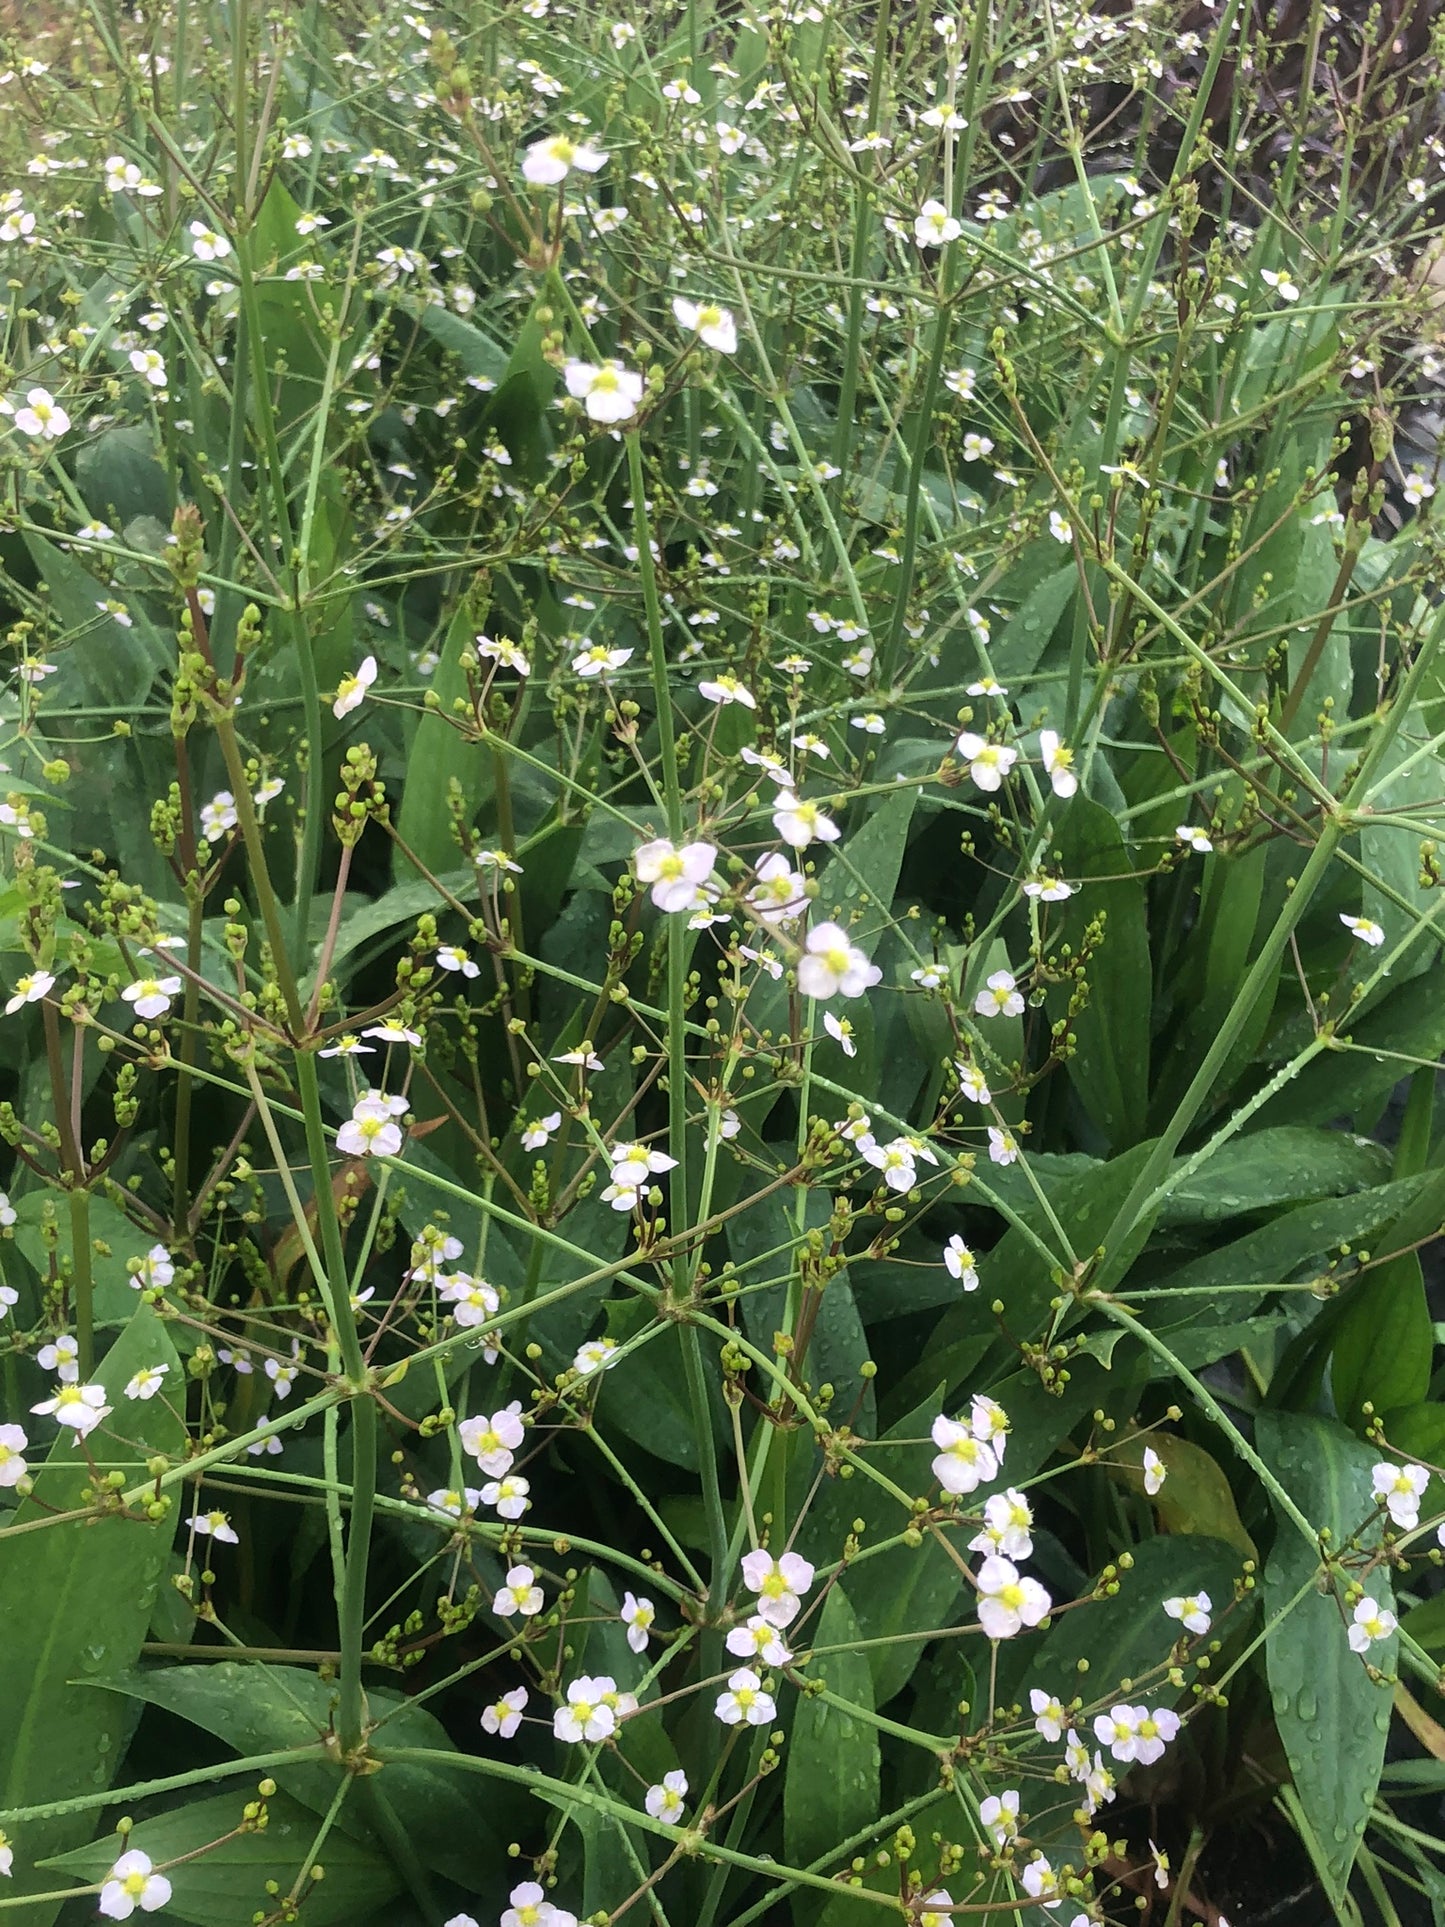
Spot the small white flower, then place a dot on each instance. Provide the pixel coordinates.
(1000, 997)
(520, 1594)
(539, 1132)
(757, 1639)
(1193, 839)
(1364, 929)
(351, 690)
(1280, 281)
(833, 967)
(1192, 1611)
(727, 689)
(599, 660)
(504, 1715)
(610, 392)
(976, 447)
(1049, 1715)
(1372, 1623)
(665, 1801)
(42, 418)
(972, 1083)
(146, 1382)
(964, 1462)
(800, 823)
(637, 1616)
(30, 989)
(597, 1355)
(152, 996)
(934, 225)
(780, 892)
(586, 1714)
(1154, 1471)
(218, 816)
(1059, 762)
(508, 1497)
(675, 874)
(779, 1584)
(546, 162)
(1401, 1488)
(1006, 1602)
(1000, 1814)
(12, 1462)
(214, 1525)
(131, 1884)
(841, 1031)
(713, 326)
(960, 1262)
(1003, 1146)
(493, 1441)
(81, 1407)
(207, 245)
(745, 1700)
(988, 763)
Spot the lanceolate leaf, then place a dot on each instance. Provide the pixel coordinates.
(75, 1601)
(1332, 1717)
(831, 1789)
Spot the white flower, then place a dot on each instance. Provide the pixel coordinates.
(665, 1801)
(371, 1130)
(1059, 762)
(493, 1441)
(778, 1584)
(934, 225)
(42, 418)
(1000, 997)
(451, 956)
(634, 1164)
(1046, 889)
(1060, 528)
(1372, 1622)
(586, 1715)
(727, 689)
(800, 823)
(610, 392)
(959, 1260)
(506, 654)
(218, 816)
(1401, 1488)
(1193, 839)
(972, 1083)
(929, 976)
(637, 1616)
(1007, 1603)
(1007, 1525)
(1155, 1472)
(530, 1906)
(454, 1503)
(936, 1909)
(597, 1355)
(713, 326)
(745, 1700)
(507, 1496)
(12, 1447)
(1364, 929)
(833, 967)
(1041, 1882)
(988, 763)
(150, 364)
(1000, 1814)
(520, 1593)
(30, 989)
(1003, 1146)
(1192, 1611)
(780, 891)
(61, 1356)
(81, 1407)
(152, 996)
(351, 690)
(155, 1271)
(131, 1884)
(976, 446)
(1280, 281)
(539, 1132)
(675, 874)
(504, 1715)
(546, 162)
(757, 1639)
(1136, 1733)
(214, 1525)
(146, 1382)
(207, 245)
(599, 660)
(964, 1462)
(841, 1031)
(1049, 1715)
(870, 722)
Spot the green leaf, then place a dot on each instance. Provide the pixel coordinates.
(1269, 1168)
(120, 478)
(1110, 1065)
(1023, 639)
(113, 1240)
(1383, 1342)
(1407, 1023)
(424, 821)
(1130, 1635)
(831, 1788)
(259, 1709)
(1332, 1717)
(1195, 1498)
(107, 661)
(227, 1886)
(75, 1602)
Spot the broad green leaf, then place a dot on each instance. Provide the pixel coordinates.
(646, 1396)
(478, 354)
(1407, 1023)
(1392, 853)
(1332, 1717)
(75, 1603)
(831, 1788)
(227, 1886)
(107, 661)
(863, 871)
(1130, 1635)
(120, 478)
(424, 821)
(1383, 1342)
(258, 1709)
(1020, 644)
(1268, 1168)
(113, 1240)
(1110, 1065)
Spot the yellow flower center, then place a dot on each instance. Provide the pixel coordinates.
(1012, 1597)
(836, 959)
(135, 1884)
(605, 380)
